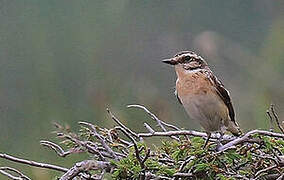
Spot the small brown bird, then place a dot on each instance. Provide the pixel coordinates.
(203, 96)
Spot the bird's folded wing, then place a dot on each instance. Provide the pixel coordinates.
(224, 95)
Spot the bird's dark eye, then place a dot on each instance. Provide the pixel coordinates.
(187, 58)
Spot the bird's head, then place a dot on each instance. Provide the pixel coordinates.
(188, 60)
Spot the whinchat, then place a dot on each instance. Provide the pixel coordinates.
(203, 96)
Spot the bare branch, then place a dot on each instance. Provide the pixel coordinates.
(188, 159)
(33, 163)
(280, 177)
(245, 137)
(265, 170)
(233, 140)
(18, 176)
(85, 166)
(148, 127)
(238, 176)
(137, 151)
(59, 150)
(270, 120)
(149, 176)
(155, 118)
(134, 143)
(127, 143)
(178, 160)
(146, 156)
(185, 132)
(276, 118)
(120, 124)
(183, 175)
(101, 139)
(90, 146)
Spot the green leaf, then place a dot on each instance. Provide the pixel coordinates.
(197, 140)
(221, 177)
(201, 167)
(233, 155)
(170, 172)
(243, 172)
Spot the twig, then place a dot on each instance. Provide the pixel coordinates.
(93, 147)
(33, 163)
(134, 144)
(276, 118)
(18, 176)
(275, 160)
(245, 137)
(137, 153)
(59, 150)
(120, 124)
(148, 127)
(154, 117)
(170, 126)
(90, 146)
(185, 132)
(106, 154)
(85, 166)
(151, 176)
(109, 133)
(233, 140)
(146, 156)
(120, 140)
(102, 174)
(183, 175)
(264, 170)
(238, 176)
(101, 139)
(184, 163)
(105, 145)
(270, 120)
(142, 164)
(188, 159)
(280, 177)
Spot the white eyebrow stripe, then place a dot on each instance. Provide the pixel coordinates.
(193, 70)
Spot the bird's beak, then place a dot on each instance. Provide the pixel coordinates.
(171, 61)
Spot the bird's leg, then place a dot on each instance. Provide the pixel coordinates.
(207, 140)
(219, 143)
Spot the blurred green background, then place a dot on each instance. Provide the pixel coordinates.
(69, 60)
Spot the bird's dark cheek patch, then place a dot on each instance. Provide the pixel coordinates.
(190, 67)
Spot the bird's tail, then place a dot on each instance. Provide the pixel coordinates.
(234, 129)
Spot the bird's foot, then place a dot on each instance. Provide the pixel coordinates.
(219, 141)
(218, 146)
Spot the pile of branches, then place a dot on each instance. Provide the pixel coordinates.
(121, 153)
